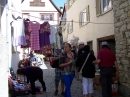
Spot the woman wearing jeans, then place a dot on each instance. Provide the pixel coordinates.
(88, 72)
(68, 68)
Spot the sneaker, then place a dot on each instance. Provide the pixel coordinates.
(62, 93)
(55, 93)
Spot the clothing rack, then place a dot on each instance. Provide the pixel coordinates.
(58, 20)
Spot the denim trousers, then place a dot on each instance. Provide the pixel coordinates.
(68, 79)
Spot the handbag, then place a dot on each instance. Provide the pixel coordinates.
(80, 73)
(54, 64)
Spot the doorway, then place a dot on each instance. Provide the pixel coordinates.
(110, 40)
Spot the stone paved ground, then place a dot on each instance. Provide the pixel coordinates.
(76, 89)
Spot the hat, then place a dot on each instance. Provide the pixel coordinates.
(80, 43)
(104, 43)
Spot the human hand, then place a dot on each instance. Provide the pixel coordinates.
(117, 74)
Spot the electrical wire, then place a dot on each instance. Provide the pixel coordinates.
(57, 20)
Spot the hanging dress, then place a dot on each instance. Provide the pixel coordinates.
(34, 37)
(27, 35)
(18, 34)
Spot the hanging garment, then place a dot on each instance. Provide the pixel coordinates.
(52, 35)
(18, 34)
(27, 35)
(57, 44)
(34, 37)
(44, 34)
(45, 47)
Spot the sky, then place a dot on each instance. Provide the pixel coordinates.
(59, 3)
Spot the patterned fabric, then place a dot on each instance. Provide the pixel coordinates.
(57, 44)
(58, 75)
(44, 34)
(34, 37)
(69, 69)
(27, 35)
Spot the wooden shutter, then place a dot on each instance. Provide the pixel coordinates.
(80, 15)
(98, 7)
(68, 4)
(68, 27)
(88, 14)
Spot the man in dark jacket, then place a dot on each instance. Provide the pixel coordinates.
(33, 73)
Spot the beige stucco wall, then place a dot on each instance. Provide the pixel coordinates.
(36, 11)
(90, 32)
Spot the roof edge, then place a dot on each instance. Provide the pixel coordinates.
(55, 6)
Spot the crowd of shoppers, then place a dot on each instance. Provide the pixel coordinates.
(70, 60)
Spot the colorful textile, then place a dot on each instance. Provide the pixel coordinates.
(44, 34)
(27, 35)
(69, 69)
(34, 37)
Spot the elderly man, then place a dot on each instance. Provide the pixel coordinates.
(106, 60)
(81, 48)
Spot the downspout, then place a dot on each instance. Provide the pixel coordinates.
(8, 33)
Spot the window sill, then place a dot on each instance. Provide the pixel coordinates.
(83, 25)
(47, 20)
(106, 11)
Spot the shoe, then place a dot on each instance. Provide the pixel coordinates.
(62, 93)
(56, 92)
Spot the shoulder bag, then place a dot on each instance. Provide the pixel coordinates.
(80, 73)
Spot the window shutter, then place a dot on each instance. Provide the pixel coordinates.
(72, 26)
(98, 7)
(88, 14)
(80, 15)
(68, 4)
(68, 27)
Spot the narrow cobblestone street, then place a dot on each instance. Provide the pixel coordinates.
(76, 89)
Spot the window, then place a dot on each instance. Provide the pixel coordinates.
(84, 16)
(106, 5)
(47, 17)
(70, 27)
(103, 6)
(90, 43)
(37, 3)
(69, 3)
(26, 15)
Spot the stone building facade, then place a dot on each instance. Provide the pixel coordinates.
(121, 10)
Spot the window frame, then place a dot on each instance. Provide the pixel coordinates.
(70, 27)
(102, 6)
(47, 14)
(87, 17)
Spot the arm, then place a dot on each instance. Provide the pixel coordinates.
(55, 58)
(97, 61)
(117, 69)
(65, 64)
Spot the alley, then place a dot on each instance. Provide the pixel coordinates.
(49, 73)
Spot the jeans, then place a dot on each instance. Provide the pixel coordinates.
(87, 84)
(106, 81)
(68, 82)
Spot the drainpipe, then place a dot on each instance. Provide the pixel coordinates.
(8, 33)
